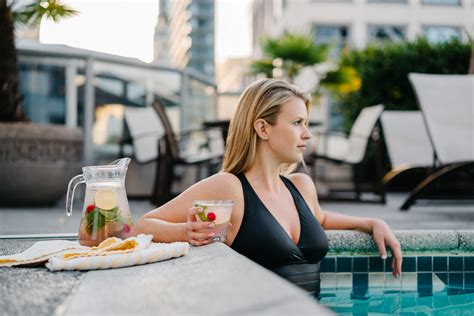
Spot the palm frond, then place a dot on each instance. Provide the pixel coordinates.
(300, 48)
(32, 14)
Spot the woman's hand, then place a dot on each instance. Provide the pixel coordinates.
(383, 235)
(199, 233)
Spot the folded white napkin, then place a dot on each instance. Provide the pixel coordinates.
(111, 253)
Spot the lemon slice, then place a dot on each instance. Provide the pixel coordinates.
(106, 199)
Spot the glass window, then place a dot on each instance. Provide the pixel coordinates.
(120, 85)
(201, 100)
(438, 34)
(335, 35)
(442, 2)
(42, 87)
(391, 33)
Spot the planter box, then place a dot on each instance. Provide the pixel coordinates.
(37, 162)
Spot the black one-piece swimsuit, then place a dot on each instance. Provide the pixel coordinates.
(262, 239)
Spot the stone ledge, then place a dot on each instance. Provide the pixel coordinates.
(411, 240)
(212, 279)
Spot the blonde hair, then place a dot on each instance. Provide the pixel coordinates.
(261, 100)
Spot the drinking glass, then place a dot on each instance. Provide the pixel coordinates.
(217, 212)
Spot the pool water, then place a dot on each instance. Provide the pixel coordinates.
(449, 301)
(430, 284)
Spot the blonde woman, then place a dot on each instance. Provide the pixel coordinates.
(276, 219)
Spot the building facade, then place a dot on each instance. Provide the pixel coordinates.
(185, 33)
(356, 23)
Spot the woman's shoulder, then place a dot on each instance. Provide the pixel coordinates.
(303, 183)
(222, 185)
(222, 180)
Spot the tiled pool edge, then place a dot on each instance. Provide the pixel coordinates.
(411, 241)
(434, 261)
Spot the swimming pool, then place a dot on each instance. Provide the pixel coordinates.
(434, 284)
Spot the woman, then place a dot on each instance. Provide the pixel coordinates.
(276, 220)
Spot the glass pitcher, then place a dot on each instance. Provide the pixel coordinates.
(106, 212)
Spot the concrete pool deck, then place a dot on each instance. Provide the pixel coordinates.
(210, 280)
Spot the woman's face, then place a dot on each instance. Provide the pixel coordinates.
(288, 137)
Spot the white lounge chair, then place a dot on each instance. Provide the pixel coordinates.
(350, 149)
(447, 104)
(145, 130)
(407, 141)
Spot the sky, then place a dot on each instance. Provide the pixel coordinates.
(125, 27)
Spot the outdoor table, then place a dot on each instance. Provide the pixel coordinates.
(211, 279)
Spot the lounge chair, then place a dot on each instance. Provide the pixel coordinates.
(408, 144)
(201, 148)
(145, 129)
(447, 104)
(351, 149)
(153, 139)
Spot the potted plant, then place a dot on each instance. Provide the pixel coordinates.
(36, 161)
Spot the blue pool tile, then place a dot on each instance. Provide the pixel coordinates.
(328, 264)
(424, 264)
(425, 284)
(469, 280)
(388, 264)
(455, 264)
(409, 264)
(376, 264)
(344, 264)
(443, 276)
(440, 264)
(455, 280)
(469, 263)
(360, 264)
(425, 279)
(360, 280)
(360, 285)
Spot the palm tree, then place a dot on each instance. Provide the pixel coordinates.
(289, 54)
(31, 14)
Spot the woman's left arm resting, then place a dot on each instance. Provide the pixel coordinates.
(381, 232)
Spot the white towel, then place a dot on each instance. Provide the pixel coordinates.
(111, 253)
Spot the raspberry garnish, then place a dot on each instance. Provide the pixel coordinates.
(126, 228)
(90, 208)
(211, 216)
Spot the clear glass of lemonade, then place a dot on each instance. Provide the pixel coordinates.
(217, 212)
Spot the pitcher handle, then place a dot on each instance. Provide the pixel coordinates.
(70, 192)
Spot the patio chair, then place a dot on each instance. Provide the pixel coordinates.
(408, 145)
(351, 149)
(145, 129)
(201, 148)
(447, 104)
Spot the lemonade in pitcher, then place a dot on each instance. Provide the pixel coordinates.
(105, 212)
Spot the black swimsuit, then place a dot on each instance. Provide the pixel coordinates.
(262, 239)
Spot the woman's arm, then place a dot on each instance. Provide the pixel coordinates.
(175, 220)
(381, 232)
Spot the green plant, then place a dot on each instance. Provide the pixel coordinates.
(384, 72)
(292, 52)
(31, 14)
